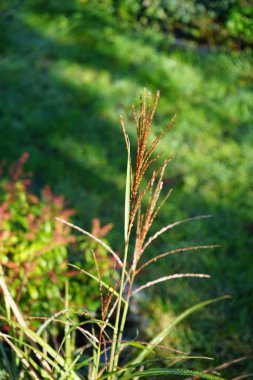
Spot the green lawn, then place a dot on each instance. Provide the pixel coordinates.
(67, 72)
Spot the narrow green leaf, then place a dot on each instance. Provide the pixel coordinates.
(163, 372)
(162, 335)
(29, 359)
(67, 333)
(37, 339)
(135, 344)
(26, 361)
(160, 372)
(167, 359)
(127, 194)
(51, 319)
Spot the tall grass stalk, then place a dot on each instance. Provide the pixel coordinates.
(134, 197)
(105, 337)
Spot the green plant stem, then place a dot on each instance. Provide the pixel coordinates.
(117, 334)
(14, 357)
(123, 321)
(67, 328)
(96, 359)
(114, 353)
(9, 300)
(98, 356)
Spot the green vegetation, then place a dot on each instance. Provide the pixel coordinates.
(103, 354)
(67, 71)
(35, 248)
(226, 22)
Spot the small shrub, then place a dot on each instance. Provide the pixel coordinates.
(35, 248)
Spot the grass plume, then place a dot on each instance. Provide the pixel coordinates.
(142, 205)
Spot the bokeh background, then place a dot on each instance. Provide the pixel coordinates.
(69, 68)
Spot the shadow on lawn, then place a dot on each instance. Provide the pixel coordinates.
(59, 124)
(63, 125)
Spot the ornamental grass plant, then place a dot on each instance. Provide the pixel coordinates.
(29, 354)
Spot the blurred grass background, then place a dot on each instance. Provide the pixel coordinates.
(68, 70)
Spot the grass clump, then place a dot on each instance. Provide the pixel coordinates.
(103, 353)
